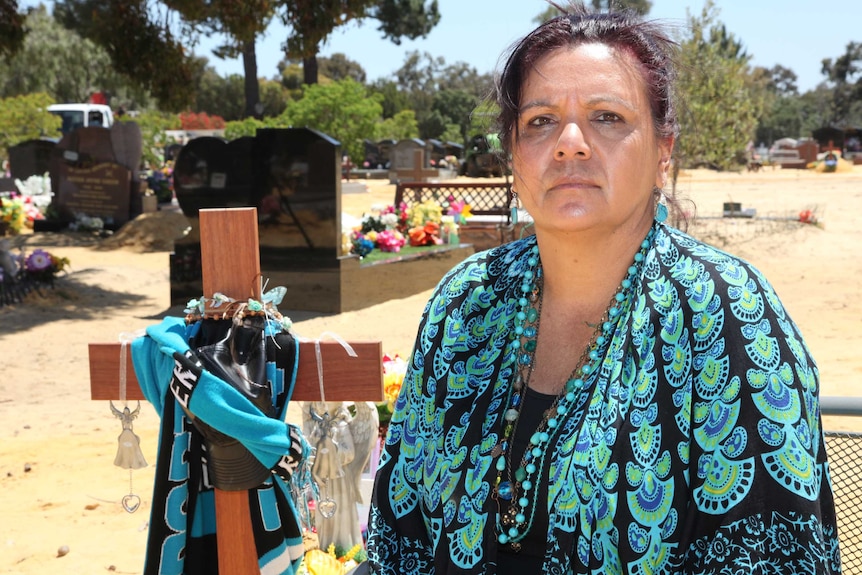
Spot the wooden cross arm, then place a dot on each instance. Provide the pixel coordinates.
(345, 378)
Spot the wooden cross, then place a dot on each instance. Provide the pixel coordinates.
(231, 265)
(418, 173)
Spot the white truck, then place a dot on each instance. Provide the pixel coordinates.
(80, 115)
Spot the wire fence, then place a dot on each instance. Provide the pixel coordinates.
(844, 450)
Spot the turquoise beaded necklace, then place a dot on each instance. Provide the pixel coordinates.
(519, 488)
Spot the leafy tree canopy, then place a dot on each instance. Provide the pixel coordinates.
(338, 66)
(844, 75)
(141, 47)
(401, 126)
(719, 110)
(11, 28)
(344, 110)
(25, 118)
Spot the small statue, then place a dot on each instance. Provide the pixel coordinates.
(343, 443)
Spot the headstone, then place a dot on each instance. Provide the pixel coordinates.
(292, 176)
(93, 144)
(402, 155)
(86, 178)
(384, 148)
(127, 143)
(172, 151)
(102, 190)
(418, 172)
(30, 158)
(205, 175)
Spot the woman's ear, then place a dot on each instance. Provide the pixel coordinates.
(665, 148)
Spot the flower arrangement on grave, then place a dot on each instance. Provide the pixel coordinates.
(18, 210)
(381, 229)
(85, 223)
(43, 267)
(421, 214)
(394, 369)
(12, 216)
(333, 561)
(808, 217)
(424, 220)
(161, 182)
(21, 273)
(426, 235)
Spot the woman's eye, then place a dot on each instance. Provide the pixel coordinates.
(608, 118)
(539, 121)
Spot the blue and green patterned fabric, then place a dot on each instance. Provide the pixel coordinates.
(696, 448)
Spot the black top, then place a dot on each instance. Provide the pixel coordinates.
(531, 556)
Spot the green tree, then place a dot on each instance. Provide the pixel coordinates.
(718, 110)
(338, 66)
(141, 43)
(240, 23)
(343, 110)
(221, 96)
(11, 28)
(25, 118)
(844, 76)
(273, 97)
(63, 65)
(393, 99)
(782, 113)
(153, 126)
(642, 7)
(401, 126)
(313, 21)
(456, 107)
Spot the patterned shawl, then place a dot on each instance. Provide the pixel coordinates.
(695, 448)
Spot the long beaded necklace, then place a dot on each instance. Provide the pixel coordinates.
(519, 488)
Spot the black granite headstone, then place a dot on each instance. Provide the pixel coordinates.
(30, 158)
(292, 177)
(212, 173)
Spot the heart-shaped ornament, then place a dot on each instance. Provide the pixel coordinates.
(327, 507)
(131, 502)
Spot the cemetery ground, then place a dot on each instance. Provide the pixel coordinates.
(59, 488)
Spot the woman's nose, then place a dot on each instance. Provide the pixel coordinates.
(572, 143)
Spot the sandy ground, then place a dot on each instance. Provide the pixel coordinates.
(59, 487)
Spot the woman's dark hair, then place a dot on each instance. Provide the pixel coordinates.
(623, 30)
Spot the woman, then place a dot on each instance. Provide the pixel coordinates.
(609, 395)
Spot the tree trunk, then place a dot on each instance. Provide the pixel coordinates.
(309, 70)
(253, 107)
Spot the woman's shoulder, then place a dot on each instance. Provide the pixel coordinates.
(678, 248)
(703, 268)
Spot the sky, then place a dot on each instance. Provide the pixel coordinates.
(798, 34)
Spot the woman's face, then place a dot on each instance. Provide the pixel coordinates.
(585, 153)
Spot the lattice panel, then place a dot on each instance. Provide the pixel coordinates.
(844, 450)
(484, 199)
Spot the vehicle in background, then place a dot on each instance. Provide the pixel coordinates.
(82, 115)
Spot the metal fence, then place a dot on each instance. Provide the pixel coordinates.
(844, 449)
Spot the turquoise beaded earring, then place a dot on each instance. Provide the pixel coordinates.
(661, 212)
(514, 205)
(660, 208)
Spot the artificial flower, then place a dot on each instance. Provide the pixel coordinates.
(38, 261)
(459, 210)
(390, 241)
(426, 235)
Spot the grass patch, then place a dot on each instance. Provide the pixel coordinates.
(377, 255)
